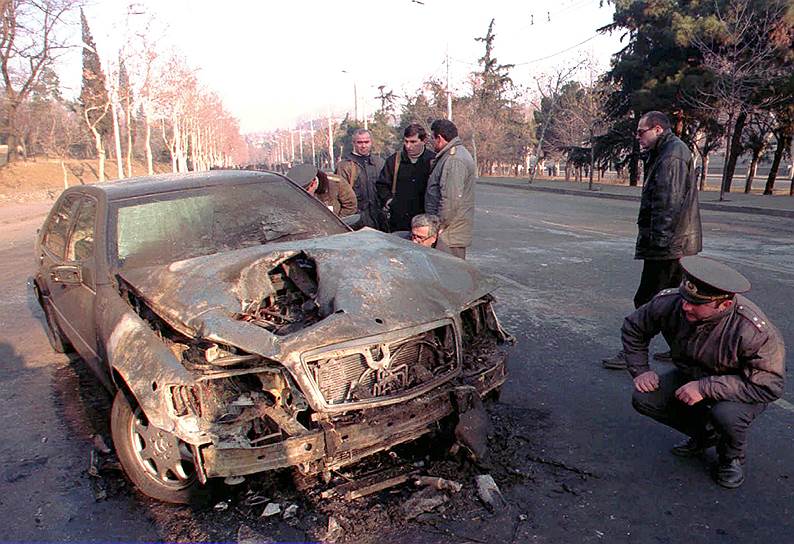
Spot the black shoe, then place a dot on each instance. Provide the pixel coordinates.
(618, 362)
(663, 357)
(692, 447)
(730, 473)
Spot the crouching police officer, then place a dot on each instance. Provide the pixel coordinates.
(729, 363)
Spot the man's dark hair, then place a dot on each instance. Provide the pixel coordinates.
(415, 129)
(653, 118)
(444, 128)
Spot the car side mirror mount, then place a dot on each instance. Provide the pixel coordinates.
(67, 274)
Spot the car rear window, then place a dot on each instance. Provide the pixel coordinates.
(166, 227)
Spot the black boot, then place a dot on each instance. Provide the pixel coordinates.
(692, 447)
(618, 362)
(730, 473)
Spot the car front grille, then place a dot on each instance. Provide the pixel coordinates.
(378, 371)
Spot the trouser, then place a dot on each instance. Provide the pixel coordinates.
(656, 276)
(459, 252)
(730, 419)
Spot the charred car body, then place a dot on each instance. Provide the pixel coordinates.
(242, 327)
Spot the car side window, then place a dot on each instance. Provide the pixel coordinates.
(57, 229)
(81, 242)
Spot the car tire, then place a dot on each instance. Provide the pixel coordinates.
(158, 463)
(55, 335)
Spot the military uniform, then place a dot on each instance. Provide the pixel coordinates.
(736, 357)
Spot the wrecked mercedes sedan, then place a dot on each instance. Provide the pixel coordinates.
(242, 327)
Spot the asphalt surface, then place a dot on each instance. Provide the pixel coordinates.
(595, 470)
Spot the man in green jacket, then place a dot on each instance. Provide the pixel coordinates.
(450, 188)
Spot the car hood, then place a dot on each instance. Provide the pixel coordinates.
(369, 283)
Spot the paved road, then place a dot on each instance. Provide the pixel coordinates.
(564, 263)
(569, 278)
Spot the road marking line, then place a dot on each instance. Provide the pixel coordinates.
(786, 405)
(584, 229)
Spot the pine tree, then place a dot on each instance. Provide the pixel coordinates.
(94, 98)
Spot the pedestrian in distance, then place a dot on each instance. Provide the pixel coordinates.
(450, 188)
(403, 180)
(361, 170)
(729, 363)
(668, 223)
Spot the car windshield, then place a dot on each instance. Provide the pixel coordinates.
(167, 227)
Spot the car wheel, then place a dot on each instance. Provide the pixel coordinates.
(55, 335)
(158, 463)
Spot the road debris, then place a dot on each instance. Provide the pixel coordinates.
(222, 506)
(489, 492)
(290, 511)
(100, 445)
(368, 485)
(334, 531)
(423, 501)
(441, 484)
(271, 509)
(474, 425)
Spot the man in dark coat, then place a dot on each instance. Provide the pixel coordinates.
(361, 169)
(404, 194)
(668, 223)
(729, 363)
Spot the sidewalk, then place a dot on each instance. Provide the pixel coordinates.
(775, 205)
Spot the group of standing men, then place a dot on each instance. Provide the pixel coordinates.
(397, 194)
(729, 360)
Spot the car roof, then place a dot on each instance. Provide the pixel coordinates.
(164, 183)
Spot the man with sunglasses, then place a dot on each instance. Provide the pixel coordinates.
(668, 223)
(729, 363)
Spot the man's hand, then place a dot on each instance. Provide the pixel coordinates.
(689, 393)
(647, 382)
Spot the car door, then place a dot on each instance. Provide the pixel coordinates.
(71, 275)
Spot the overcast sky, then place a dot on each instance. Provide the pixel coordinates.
(277, 62)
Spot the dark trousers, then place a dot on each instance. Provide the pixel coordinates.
(730, 419)
(657, 275)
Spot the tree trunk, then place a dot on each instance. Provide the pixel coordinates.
(128, 116)
(592, 161)
(733, 152)
(748, 184)
(782, 144)
(148, 146)
(704, 171)
(10, 126)
(634, 165)
(100, 150)
(791, 187)
(117, 140)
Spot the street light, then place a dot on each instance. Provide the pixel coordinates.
(355, 95)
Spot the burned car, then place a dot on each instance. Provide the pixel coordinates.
(242, 327)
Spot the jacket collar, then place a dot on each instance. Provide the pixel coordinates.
(454, 142)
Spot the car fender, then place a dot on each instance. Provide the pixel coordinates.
(138, 356)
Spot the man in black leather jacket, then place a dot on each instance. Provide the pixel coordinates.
(669, 219)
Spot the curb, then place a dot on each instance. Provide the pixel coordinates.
(630, 198)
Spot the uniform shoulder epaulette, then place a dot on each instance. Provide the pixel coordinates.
(665, 292)
(750, 314)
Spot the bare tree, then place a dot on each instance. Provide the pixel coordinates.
(549, 91)
(742, 60)
(29, 44)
